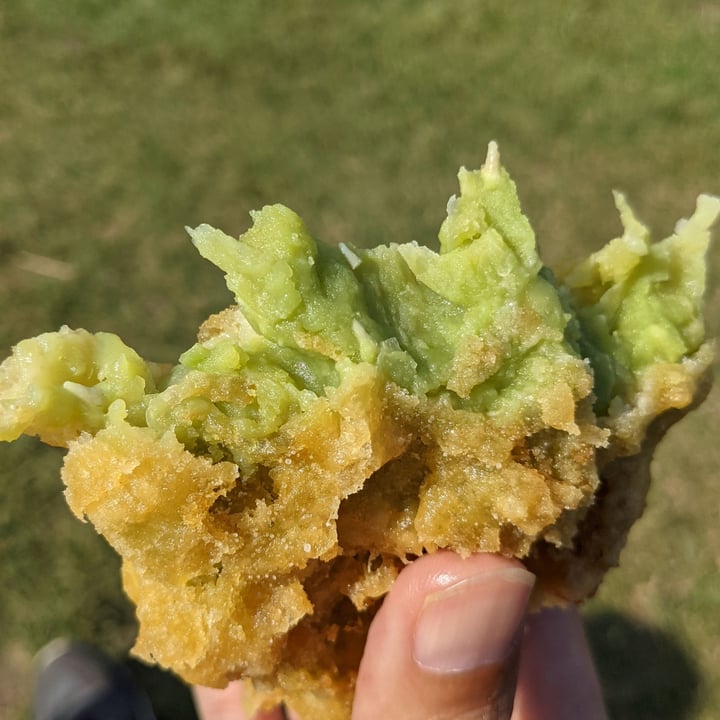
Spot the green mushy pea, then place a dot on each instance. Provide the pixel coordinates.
(359, 407)
(480, 323)
(416, 314)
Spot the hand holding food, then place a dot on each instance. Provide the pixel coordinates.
(359, 408)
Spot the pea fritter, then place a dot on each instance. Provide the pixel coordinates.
(357, 408)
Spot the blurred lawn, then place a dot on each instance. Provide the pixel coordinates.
(122, 122)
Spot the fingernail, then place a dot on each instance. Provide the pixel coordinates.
(473, 622)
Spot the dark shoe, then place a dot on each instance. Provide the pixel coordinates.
(77, 682)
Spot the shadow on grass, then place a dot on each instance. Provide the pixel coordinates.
(644, 671)
(170, 697)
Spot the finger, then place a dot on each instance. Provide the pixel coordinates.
(227, 704)
(445, 642)
(557, 678)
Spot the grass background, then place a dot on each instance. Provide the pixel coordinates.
(122, 122)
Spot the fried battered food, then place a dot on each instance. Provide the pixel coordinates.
(357, 408)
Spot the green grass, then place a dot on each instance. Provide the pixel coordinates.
(122, 122)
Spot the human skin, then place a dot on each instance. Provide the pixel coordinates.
(453, 641)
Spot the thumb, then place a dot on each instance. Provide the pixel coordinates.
(445, 643)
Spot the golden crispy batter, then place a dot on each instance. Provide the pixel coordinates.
(574, 573)
(276, 575)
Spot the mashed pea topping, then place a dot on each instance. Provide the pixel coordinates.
(479, 323)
